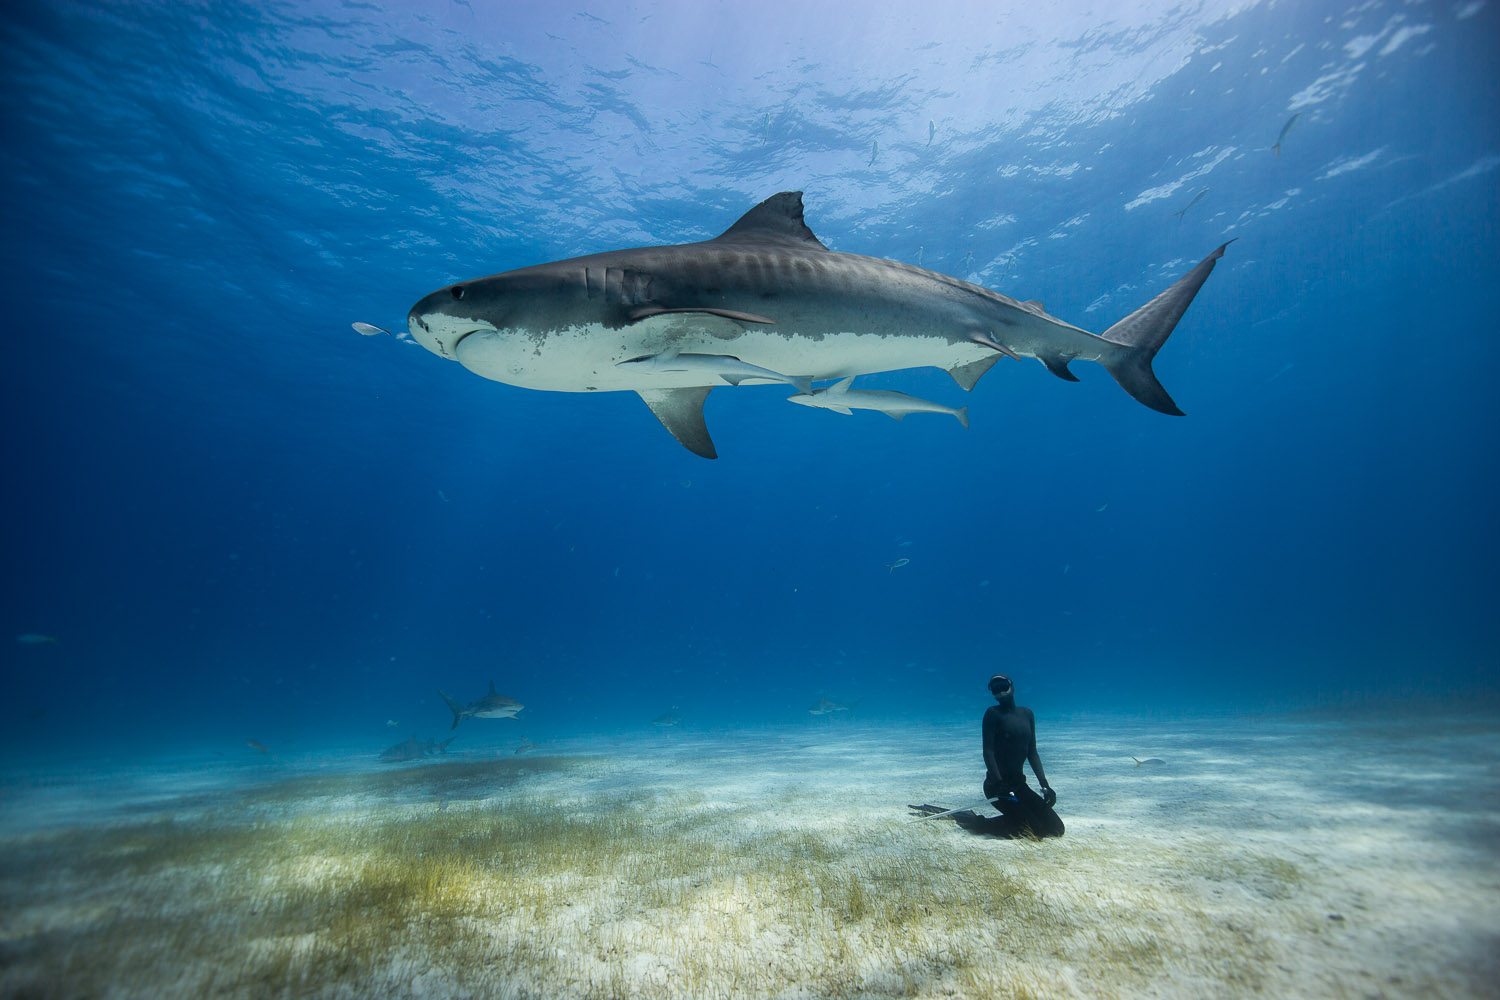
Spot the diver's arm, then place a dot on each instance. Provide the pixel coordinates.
(991, 765)
(1032, 756)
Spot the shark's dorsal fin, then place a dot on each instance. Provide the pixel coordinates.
(681, 412)
(492, 687)
(840, 387)
(777, 220)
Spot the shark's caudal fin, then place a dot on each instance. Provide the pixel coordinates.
(455, 707)
(1144, 331)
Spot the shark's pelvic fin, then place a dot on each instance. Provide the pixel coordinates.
(646, 312)
(681, 412)
(777, 220)
(968, 375)
(1142, 333)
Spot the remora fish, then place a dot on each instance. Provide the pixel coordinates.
(712, 366)
(1284, 130)
(1183, 211)
(769, 293)
(491, 706)
(842, 399)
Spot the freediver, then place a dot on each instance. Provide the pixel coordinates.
(1009, 740)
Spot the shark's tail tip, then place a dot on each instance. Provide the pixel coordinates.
(1141, 334)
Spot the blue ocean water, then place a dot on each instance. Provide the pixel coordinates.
(240, 519)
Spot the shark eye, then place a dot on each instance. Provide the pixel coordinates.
(458, 292)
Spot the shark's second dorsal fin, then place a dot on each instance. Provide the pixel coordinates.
(777, 220)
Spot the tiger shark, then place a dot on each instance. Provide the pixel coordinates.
(491, 706)
(765, 293)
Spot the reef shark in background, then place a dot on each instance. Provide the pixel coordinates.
(765, 293)
(491, 706)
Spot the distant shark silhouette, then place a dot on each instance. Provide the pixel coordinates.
(414, 749)
(771, 303)
(491, 706)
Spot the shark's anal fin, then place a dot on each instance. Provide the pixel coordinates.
(646, 312)
(1058, 365)
(967, 376)
(681, 412)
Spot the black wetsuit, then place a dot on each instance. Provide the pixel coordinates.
(1010, 742)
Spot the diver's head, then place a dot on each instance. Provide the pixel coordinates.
(1002, 688)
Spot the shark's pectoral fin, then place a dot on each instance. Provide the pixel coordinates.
(967, 376)
(681, 412)
(840, 409)
(1058, 365)
(646, 312)
(893, 416)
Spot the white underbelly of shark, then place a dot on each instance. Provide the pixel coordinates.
(588, 358)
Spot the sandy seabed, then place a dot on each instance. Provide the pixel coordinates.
(1266, 857)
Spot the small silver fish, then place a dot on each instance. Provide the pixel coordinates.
(892, 567)
(1196, 198)
(368, 329)
(931, 131)
(392, 723)
(1148, 760)
(874, 152)
(1284, 130)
